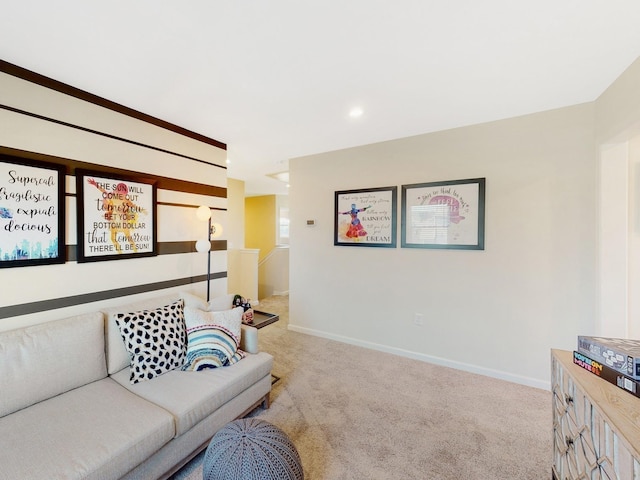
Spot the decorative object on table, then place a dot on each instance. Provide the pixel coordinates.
(240, 301)
(444, 214)
(365, 217)
(251, 449)
(620, 354)
(116, 216)
(606, 373)
(32, 212)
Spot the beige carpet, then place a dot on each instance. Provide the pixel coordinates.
(355, 413)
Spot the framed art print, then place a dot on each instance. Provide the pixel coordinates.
(32, 212)
(365, 217)
(116, 216)
(444, 214)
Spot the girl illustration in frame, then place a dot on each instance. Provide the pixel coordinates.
(376, 227)
(356, 229)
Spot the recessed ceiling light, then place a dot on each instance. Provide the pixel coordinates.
(356, 112)
(228, 161)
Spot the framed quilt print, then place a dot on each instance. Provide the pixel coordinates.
(116, 216)
(444, 214)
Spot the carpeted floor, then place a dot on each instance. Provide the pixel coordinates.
(355, 413)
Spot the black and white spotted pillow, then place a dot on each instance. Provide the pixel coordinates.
(155, 339)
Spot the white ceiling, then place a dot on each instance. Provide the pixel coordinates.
(276, 79)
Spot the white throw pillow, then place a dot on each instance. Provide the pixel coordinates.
(218, 304)
(224, 302)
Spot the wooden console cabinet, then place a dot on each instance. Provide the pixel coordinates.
(596, 425)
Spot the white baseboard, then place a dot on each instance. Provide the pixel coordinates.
(467, 367)
(284, 292)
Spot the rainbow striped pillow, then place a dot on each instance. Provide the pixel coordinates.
(212, 338)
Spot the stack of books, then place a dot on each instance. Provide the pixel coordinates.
(615, 360)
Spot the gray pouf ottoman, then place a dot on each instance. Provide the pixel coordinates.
(251, 449)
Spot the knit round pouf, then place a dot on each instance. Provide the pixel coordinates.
(251, 449)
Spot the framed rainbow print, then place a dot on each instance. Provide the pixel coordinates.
(365, 217)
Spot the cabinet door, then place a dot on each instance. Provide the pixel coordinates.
(584, 444)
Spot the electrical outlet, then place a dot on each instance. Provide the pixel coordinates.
(418, 319)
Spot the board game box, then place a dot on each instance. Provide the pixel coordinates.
(610, 375)
(620, 354)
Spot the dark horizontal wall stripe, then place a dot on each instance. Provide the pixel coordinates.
(34, 307)
(58, 86)
(163, 183)
(164, 248)
(170, 204)
(169, 248)
(103, 134)
(176, 185)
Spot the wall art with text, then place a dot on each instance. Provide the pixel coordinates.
(32, 212)
(116, 216)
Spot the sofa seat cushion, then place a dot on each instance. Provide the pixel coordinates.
(97, 431)
(192, 396)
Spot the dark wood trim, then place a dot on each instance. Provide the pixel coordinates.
(103, 134)
(55, 303)
(164, 248)
(33, 77)
(170, 248)
(171, 204)
(163, 183)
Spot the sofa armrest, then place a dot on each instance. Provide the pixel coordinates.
(249, 339)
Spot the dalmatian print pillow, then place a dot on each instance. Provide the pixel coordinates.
(155, 339)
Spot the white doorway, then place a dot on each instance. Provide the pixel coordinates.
(619, 239)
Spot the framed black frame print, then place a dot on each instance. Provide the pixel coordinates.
(32, 212)
(444, 214)
(116, 216)
(366, 217)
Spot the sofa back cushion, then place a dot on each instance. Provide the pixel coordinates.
(45, 360)
(117, 355)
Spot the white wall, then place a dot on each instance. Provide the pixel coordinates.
(496, 311)
(243, 273)
(618, 108)
(31, 126)
(235, 220)
(634, 238)
(618, 134)
(613, 241)
(273, 273)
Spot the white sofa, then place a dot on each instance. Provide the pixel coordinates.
(69, 411)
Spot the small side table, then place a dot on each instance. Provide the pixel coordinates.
(260, 320)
